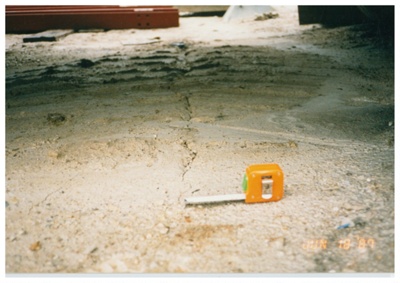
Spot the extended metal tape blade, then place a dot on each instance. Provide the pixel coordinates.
(214, 199)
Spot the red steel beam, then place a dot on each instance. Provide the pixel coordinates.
(62, 7)
(36, 9)
(87, 11)
(59, 7)
(32, 19)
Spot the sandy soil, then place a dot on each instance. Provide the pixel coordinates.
(105, 138)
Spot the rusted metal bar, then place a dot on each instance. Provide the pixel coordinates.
(34, 19)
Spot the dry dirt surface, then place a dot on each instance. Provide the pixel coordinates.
(108, 132)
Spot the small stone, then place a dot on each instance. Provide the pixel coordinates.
(53, 154)
(277, 243)
(359, 222)
(35, 246)
(118, 265)
(292, 144)
(86, 63)
(162, 229)
(106, 268)
(56, 118)
(93, 250)
(13, 200)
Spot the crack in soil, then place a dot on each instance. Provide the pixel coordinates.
(192, 153)
(45, 198)
(188, 162)
(188, 106)
(49, 194)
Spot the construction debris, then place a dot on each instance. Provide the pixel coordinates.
(49, 35)
(267, 16)
(242, 12)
